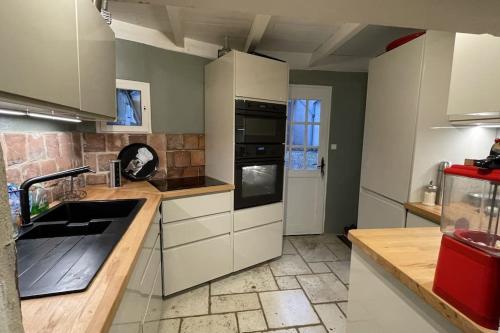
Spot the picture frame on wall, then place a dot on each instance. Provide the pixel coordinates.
(133, 109)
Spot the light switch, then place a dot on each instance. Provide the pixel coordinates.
(333, 146)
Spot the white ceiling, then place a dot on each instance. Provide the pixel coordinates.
(287, 38)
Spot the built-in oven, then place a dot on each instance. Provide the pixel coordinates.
(260, 122)
(258, 175)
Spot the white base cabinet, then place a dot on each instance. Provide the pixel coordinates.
(415, 221)
(197, 240)
(141, 306)
(255, 245)
(379, 303)
(203, 238)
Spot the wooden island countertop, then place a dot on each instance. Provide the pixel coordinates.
(410, 255)
(93, 310)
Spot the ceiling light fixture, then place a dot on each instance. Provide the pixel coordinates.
(47, 116)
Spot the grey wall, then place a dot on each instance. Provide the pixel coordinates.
(346, 130)
(176, 79)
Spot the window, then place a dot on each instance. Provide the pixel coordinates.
(133, 111)
(303, 134)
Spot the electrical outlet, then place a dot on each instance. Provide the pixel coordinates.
(333, 146)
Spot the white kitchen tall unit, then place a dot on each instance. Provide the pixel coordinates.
(256, 232)
(407, 131)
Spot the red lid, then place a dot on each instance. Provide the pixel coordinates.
(492, 175)
(403, 40)
(497, 140)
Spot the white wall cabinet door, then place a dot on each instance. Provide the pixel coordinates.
(39, 57)
(260, 78)
(475, 75)
(96, 58)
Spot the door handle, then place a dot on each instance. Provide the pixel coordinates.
(322, 166)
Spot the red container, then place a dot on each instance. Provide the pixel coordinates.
(469, 279)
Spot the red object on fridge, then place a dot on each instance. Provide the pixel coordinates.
(403, 40)
(469, 279)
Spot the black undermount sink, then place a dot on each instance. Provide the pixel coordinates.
(66, 246)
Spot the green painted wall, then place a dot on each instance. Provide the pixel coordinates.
(176, 79)
(346, 130)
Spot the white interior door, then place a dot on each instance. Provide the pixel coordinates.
(308, 126)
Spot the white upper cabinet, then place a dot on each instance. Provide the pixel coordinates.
(96, 54)
(260, 78)
(475, 76)
(39, 57)
(57, 55)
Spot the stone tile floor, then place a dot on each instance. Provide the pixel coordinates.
(303, 291)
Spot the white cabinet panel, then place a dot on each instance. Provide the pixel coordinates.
(151, 322)
(475, 75)
(260, 78)
(378, 212)
(96, 58)
(378, 303)
(255, 216)
(186, 231)
(190, 207)
(135, 300)
(253, 246)
(390, 120)
(195, 263)
(415, 221)
(39, 56)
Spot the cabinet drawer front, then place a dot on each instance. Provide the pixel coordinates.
(253, 217)
(186, 231)
(187, 208)
(253, 246)
(195, 263)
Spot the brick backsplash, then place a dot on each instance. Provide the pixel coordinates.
(33, 154)
(28, 155)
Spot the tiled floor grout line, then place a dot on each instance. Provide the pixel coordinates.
(260, 303)
(302, 288)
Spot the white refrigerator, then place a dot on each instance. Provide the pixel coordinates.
(390, 126)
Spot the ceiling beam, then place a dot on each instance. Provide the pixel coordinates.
(257, 30)
(175, 19)
(339, 38)
(444, 15)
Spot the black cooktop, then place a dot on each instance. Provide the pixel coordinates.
(164, 185)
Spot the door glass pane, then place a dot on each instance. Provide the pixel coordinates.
(299, 110)
(312, 135)
(314, 111)
(311, 158)
(298, 132)
(258, 180)
(296, 159)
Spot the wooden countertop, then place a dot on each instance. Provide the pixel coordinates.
(410, 254)
(146, 187)
(94, 309)
(431, 213)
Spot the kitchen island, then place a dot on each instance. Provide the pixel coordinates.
(94, 309)
(392, 273)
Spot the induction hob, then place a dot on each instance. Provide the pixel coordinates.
(173, 184)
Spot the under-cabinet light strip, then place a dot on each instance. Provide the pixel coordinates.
(38, 115)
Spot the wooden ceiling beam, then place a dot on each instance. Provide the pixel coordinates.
(175, 18)
(339, 38)
(259, 26)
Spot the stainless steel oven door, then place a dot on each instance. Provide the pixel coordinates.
(258, 182)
